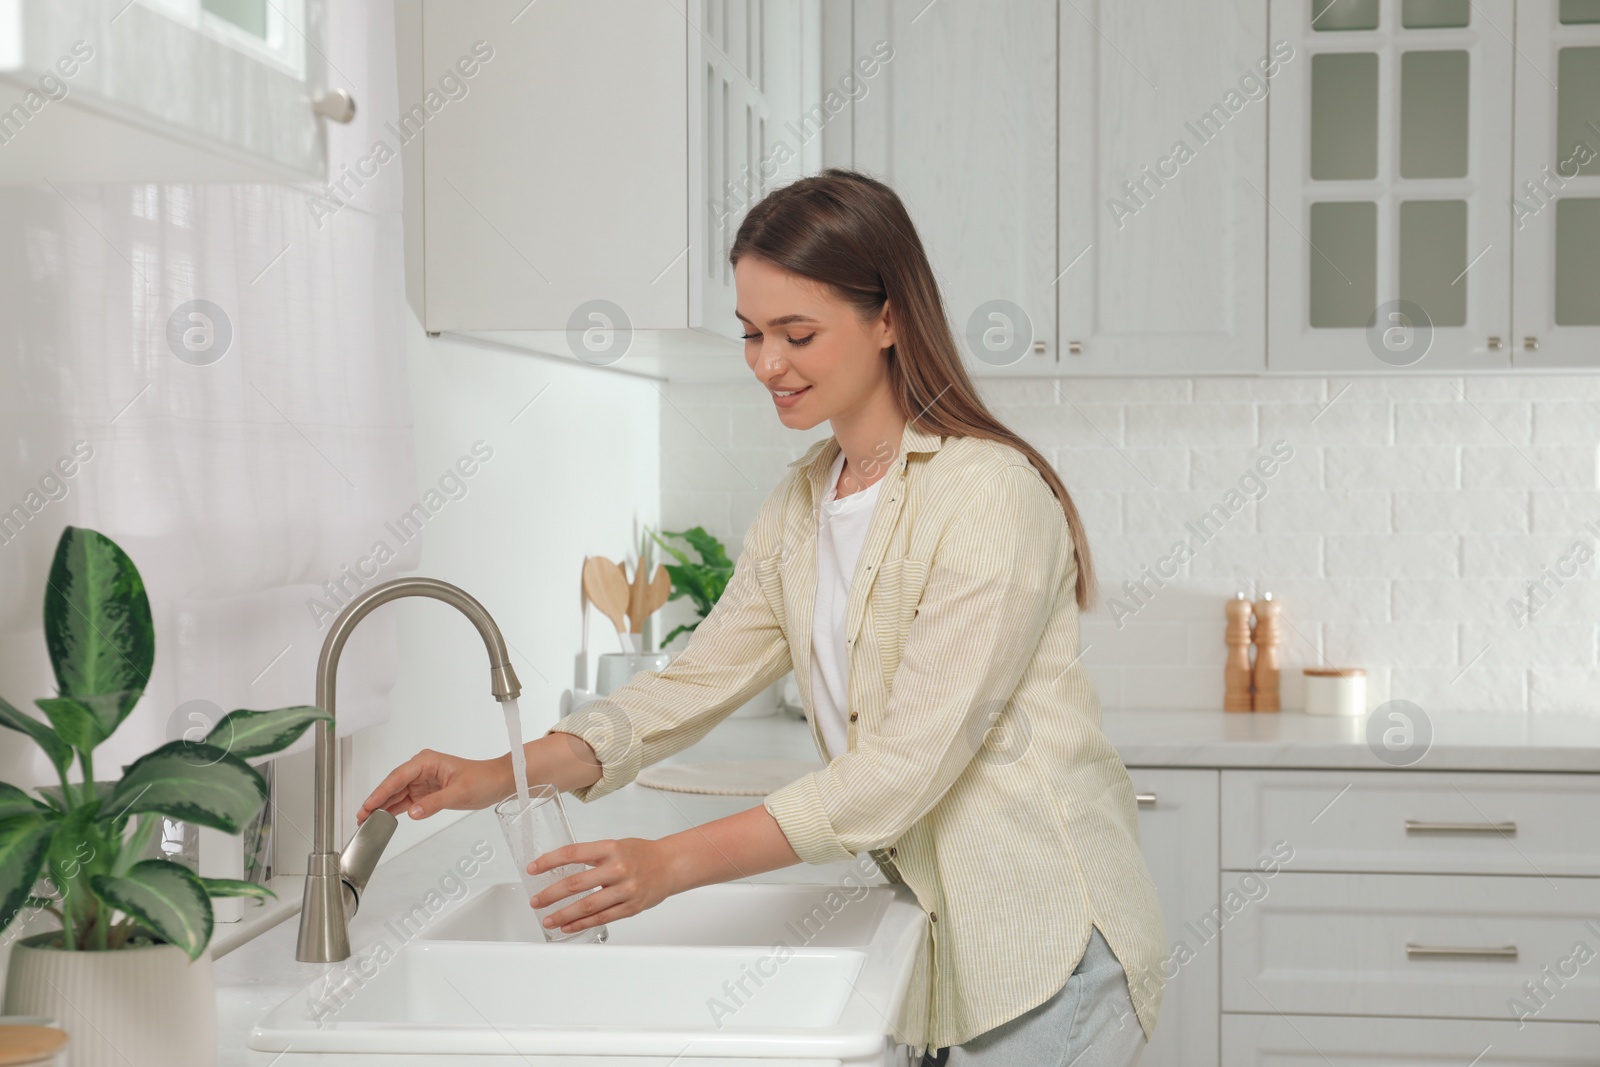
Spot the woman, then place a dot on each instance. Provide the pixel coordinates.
(921, 571)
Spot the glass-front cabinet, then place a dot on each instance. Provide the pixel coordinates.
(1390, 239)
(1435, 185)
(1555, 204)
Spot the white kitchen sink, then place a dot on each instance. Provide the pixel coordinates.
(769, 974)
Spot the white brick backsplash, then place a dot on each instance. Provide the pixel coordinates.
(1563, 690)
(1482, 511)
(1510, 556)
(1395, 389)
(1348, 422)
(1064, 426)
(1136, 642)
(1394, 537)
(1168, 513)
(1535, 387)
(1171, 687)
(1411, 467)
(1218, 468)
(1462, 423)
(1395, 644)
(1170, 424)
(1123, 469)
(1392, 556)
(1439, 689)
(1531, 466)
(1569, 644)
(1126, 390)
(1326, 512)
(1101, 513)
(1572, 511)
(1324, 600)
(1458, 600)
(1252, 557)
(999, 393)
(1566, 423)
(1232, 390)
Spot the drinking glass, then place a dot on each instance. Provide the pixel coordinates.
(534, 825)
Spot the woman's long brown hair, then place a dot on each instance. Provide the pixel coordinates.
(851, 232)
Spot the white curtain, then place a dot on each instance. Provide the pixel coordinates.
(240, 484)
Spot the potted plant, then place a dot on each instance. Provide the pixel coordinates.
(703, 582)
(127, 975)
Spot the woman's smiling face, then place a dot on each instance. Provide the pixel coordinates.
(807, 345)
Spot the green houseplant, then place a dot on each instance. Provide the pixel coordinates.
(75, 849)
(703, 581)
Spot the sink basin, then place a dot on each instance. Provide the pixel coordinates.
(724, 914)
(766, 973)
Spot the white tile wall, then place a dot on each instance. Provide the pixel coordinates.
(1413, 512)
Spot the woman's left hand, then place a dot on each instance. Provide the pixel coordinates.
(633, 874)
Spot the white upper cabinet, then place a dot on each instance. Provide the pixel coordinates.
(1391, 238)
(1162, 251)
(1556, 205)
(165, 91)
(961, 120)
(581, 196)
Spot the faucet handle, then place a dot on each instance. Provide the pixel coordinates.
(361, 855)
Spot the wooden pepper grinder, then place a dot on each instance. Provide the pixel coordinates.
(1236, 675)
(1267, 638)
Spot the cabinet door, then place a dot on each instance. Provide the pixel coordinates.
(1278, 1040)
(1178, 836)
(1556, 200)
(961, 121)
(162, 91)
(1390, 242)
(1161, 261)
(562, 178)
(748, 62)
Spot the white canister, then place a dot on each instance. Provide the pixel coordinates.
(1336, 691)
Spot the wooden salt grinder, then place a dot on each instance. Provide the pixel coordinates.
(1236, 675)
(1267, 638)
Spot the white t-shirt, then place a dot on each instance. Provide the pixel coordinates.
(841, 531)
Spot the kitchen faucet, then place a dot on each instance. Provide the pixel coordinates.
(335, 882)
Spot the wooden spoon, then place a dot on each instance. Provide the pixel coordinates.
(647, 596)
(606, 589)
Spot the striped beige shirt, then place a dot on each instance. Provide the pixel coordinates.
(977, 774)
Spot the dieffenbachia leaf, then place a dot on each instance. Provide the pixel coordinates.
(75, 722)
(14, 802)
(97, 622)
(248, 734)
(233, 887)
(59, 751)
(166, 898)
(24, 840)
(194, 782)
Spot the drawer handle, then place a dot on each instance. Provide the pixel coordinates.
(1145, 800)
(1427, 952)
(1418, 826)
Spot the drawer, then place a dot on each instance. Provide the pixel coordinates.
(1458, 946)
(1313, 1041)
(1414, 822)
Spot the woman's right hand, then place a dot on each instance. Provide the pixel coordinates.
(436, 781)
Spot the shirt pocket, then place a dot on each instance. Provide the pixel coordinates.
(892, 605)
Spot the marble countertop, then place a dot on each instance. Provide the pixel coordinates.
(255, 971)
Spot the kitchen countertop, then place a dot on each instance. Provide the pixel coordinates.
(262, 971)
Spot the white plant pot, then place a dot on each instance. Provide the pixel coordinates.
(135, 1007)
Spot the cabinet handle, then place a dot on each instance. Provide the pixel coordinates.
(1145, 800)
(1418, 826)
(1494, 344)
(1452, 952)
(335, 105)
(1530, 344)
(1040, 347)
(1075, 347)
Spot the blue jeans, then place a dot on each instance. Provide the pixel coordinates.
(1089, 1023)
